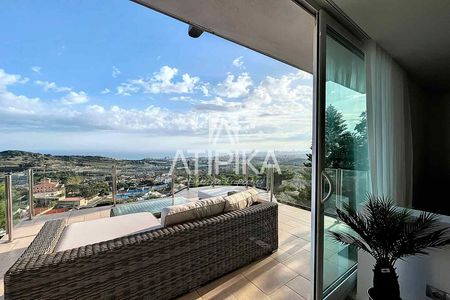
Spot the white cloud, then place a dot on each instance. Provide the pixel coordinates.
(51, 86)
(11, 103)
(10, 79)
(204, 88)
(233, 87)
(273, 111)
(277, 112)
(36, 69)
(239, 62)
(281, 101)
(115, 72)
(160, 82)
(75, 98)
(304, 75)
(105, 91)
(72, 97)
(217, 104)
(152, 119)
(283, 89)
(128, 88)
(180, 98)
(14, 105)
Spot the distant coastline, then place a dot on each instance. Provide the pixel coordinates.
(131, 155)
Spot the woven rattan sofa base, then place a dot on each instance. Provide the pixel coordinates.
(159, 264)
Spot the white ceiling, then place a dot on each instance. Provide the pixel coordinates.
(415, 32)
(278, 28)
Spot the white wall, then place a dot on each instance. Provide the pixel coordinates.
(414, 273)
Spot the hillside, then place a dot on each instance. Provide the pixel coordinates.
(12, 161)
(17, 161)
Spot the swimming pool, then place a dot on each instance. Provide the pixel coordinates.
(132, 193)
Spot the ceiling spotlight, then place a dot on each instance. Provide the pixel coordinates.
(194, 31)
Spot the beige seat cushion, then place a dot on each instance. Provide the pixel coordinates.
(90, 232)
(192, 211)
(240, 200)
(254, 194)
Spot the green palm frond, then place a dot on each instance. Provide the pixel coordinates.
(423, 232)
(354, 220)
(390, 233)
(348, 239)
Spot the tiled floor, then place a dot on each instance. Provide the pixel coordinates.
(283, 275)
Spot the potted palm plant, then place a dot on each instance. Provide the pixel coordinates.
(389, 233)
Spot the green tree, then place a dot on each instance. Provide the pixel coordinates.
(304, 193)
(74, 180)
(94, 188)
(339, 142)
(286, 174)
(361, 146)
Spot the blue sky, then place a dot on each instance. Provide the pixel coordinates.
(115, 77)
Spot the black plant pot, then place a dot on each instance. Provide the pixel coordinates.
(371, 293)
(385, 283)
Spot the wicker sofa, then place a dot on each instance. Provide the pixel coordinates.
(157, 264)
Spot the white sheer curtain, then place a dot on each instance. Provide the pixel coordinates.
(389, 127)
(345, 67)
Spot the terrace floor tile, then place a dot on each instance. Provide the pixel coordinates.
(286, 293)
(269, 275)
(301, 286)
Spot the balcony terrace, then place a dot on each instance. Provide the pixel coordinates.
(283, 275)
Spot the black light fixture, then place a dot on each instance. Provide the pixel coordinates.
(194, 31)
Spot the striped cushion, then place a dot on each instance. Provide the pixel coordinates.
(192, 211)
(254, 194)
(240, 200)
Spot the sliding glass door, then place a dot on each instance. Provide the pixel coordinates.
(341, 161)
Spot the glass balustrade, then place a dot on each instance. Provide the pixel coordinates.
(59, 191)
(20, 206)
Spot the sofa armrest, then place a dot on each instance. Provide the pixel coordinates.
(47, 238)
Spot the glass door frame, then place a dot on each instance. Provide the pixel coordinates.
(324, 23)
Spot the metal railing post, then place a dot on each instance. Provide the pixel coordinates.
(114, 184)
(188, 174)
(214, 172)
(173, 186)
(30, 194)
(271, 183)
(9, 208)
(246, 173)
(339, 183)
(337, 199)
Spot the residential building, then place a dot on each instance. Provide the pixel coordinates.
(72, 202)
(46, 185)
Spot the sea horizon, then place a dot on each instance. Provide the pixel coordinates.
(139, 155)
